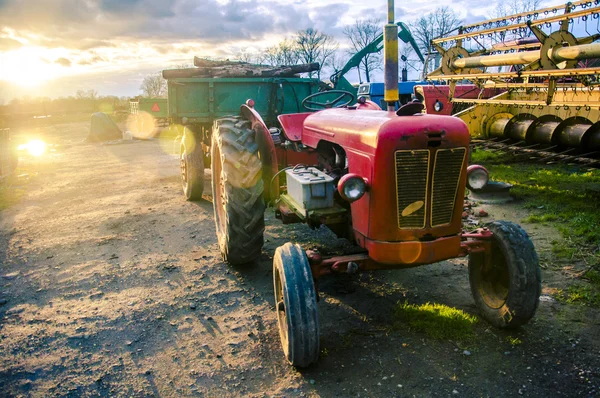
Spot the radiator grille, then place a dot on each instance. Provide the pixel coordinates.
(448, 167)
(411, 185)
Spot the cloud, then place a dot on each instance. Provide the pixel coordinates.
(91, 60)
(80, 24)
(63, 62)
(8, 44)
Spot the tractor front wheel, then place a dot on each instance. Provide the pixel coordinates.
(237, 188)
(296, 305)
(506, 288)
(191, 165)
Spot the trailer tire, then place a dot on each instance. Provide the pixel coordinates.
(237, 191)
(508, 294)
(296, 305)
(191, 162)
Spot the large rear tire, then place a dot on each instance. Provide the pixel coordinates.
(507, 291)
(191, 165)
(296, 305)
(237, 191)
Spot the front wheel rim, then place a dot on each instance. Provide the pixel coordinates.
(281, 311)
(494, 281)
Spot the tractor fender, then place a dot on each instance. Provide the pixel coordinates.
(266, 148)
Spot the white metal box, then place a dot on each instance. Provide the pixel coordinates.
(310, 188)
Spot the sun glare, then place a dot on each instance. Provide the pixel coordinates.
(34, 147)
(26, 67)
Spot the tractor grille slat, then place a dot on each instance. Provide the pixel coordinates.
(446, 176)
(411, 186)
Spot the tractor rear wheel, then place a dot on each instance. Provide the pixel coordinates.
(507, 289)
(296, 305)
(237, 187)
(191, 166)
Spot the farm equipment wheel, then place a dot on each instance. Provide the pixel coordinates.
(296, 305)
(237, 188)
(191, 165)
(343, 99)
(507, 289)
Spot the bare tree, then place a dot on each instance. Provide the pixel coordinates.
(439, 23)
(283, 53)
(90, 94)
(314, 46)
(363, 32)
(154, 86)
(337, 61)
(510, 7)
(247, 56)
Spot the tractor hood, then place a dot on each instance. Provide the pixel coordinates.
(362, 130)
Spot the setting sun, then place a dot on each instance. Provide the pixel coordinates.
(25, 67)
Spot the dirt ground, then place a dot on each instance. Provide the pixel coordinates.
(112, 285)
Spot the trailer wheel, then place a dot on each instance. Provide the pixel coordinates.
(192, 166)
(296, 305)
(237, 190)
(507, 291)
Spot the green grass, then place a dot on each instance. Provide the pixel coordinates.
(514, 341)
(9, 196)
(580, 294)
(566, 197)
(436, 320)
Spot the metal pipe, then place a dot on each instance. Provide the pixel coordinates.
(390, 62)
(580, 52)
(583, 51)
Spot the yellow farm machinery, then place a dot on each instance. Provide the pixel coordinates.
(526, 83)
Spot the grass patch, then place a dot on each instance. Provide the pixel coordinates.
(541, 218)
(514, 341)
(565, 196)
(9, 196)
(580, 294)
(438, 321)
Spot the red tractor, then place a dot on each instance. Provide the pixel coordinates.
(392, 182)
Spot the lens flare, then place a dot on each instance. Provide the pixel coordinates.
(34, 147)
(142, 125)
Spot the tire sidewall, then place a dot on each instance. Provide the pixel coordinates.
(523, 275)
(302, 347)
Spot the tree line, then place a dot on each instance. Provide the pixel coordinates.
(83, 101)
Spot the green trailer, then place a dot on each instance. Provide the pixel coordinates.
(194, 103)
(148, 114)
(197, 102)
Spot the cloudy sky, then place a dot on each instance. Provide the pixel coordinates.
(55, 47)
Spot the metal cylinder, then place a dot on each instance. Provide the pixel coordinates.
(390, 63)
(519, 126)
(593, 138)
(390, 60)
(521, 58)
(579, 52)
(498, 126)
(582, 51)
(573, 130)
(542, 132)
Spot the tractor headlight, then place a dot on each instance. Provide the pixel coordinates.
(352, 187)
(477, 177)
(438, 106)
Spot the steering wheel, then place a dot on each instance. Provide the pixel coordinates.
(340, 102)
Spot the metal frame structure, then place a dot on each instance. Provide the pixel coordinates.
(546, 99)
